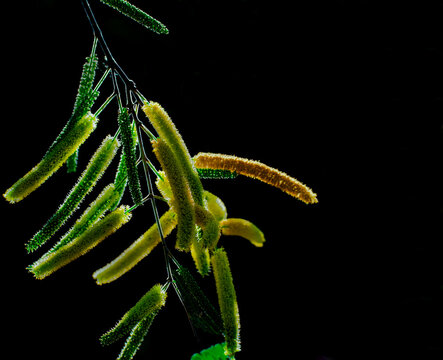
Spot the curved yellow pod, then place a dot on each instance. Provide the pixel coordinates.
(227, 300)
(259, 171)
(82, 244)
(215, 206)
(141, 248)
(53, 159)
(243, 228)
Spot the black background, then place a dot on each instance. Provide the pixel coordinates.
(346, 98)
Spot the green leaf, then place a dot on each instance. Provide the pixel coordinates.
(202, 313)
(216, 174)
(137, 15)
(96, 167)
(215, 352)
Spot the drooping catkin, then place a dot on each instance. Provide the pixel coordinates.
(151, 302)
(209, 225)
(136, 337)
(97, 165)
(182, 203)
(137, 15)
(128, 143)
(227, 300)
(200, 254)
(82, 244)
(53, 159)
(243, 228)
(166, 129)
(256, 170)
(141, 248)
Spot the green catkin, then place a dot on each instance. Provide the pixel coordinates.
(209, 225)
(166, 129)
(53, 159)
(227, 300)
(136, 337)
(82, 244)
(164, 187)
(202, 313)
(200, 254)
(182, 203)
(71, 163)
(243, 228)
(91, 215)
(150, 303)
(97, 165)
(141, 248)
(137, 15)
(128, 142)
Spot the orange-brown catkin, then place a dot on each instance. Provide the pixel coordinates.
(256, 170)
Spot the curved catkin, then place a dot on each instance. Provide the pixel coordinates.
(256, 170)
(130, 157)
(97, 165)
(136, 337)
(53, 159)
(166, 129)
(141, 248)
(82, 244)
(227, 300)
(243, 228)
(137, 15)
(151, 302)
(182, 203)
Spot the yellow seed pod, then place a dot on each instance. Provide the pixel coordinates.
(53, 159)
(182, 203)
(227, 300)
(215, 206)
(259, 171)
(82, 244)
(243, 228)
(141, 248)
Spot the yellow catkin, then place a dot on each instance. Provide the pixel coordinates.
(141, 248)
(53, 160)
(256, 170)
(82, 244)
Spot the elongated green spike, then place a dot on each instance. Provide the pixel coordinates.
(82, 244)
(182, 203)
(164, 126)
(202, 313)
(98, 164)
(128, 142)
(53, 159)
(209, 225)
(200, 254)
(215, 206)
(216, 174)
(215, 352)
(136, 337)
(141, 248)
(71, 163)
(151, 302)
(243, 228)
(137, 15)
(227, 300)
(91, 215)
